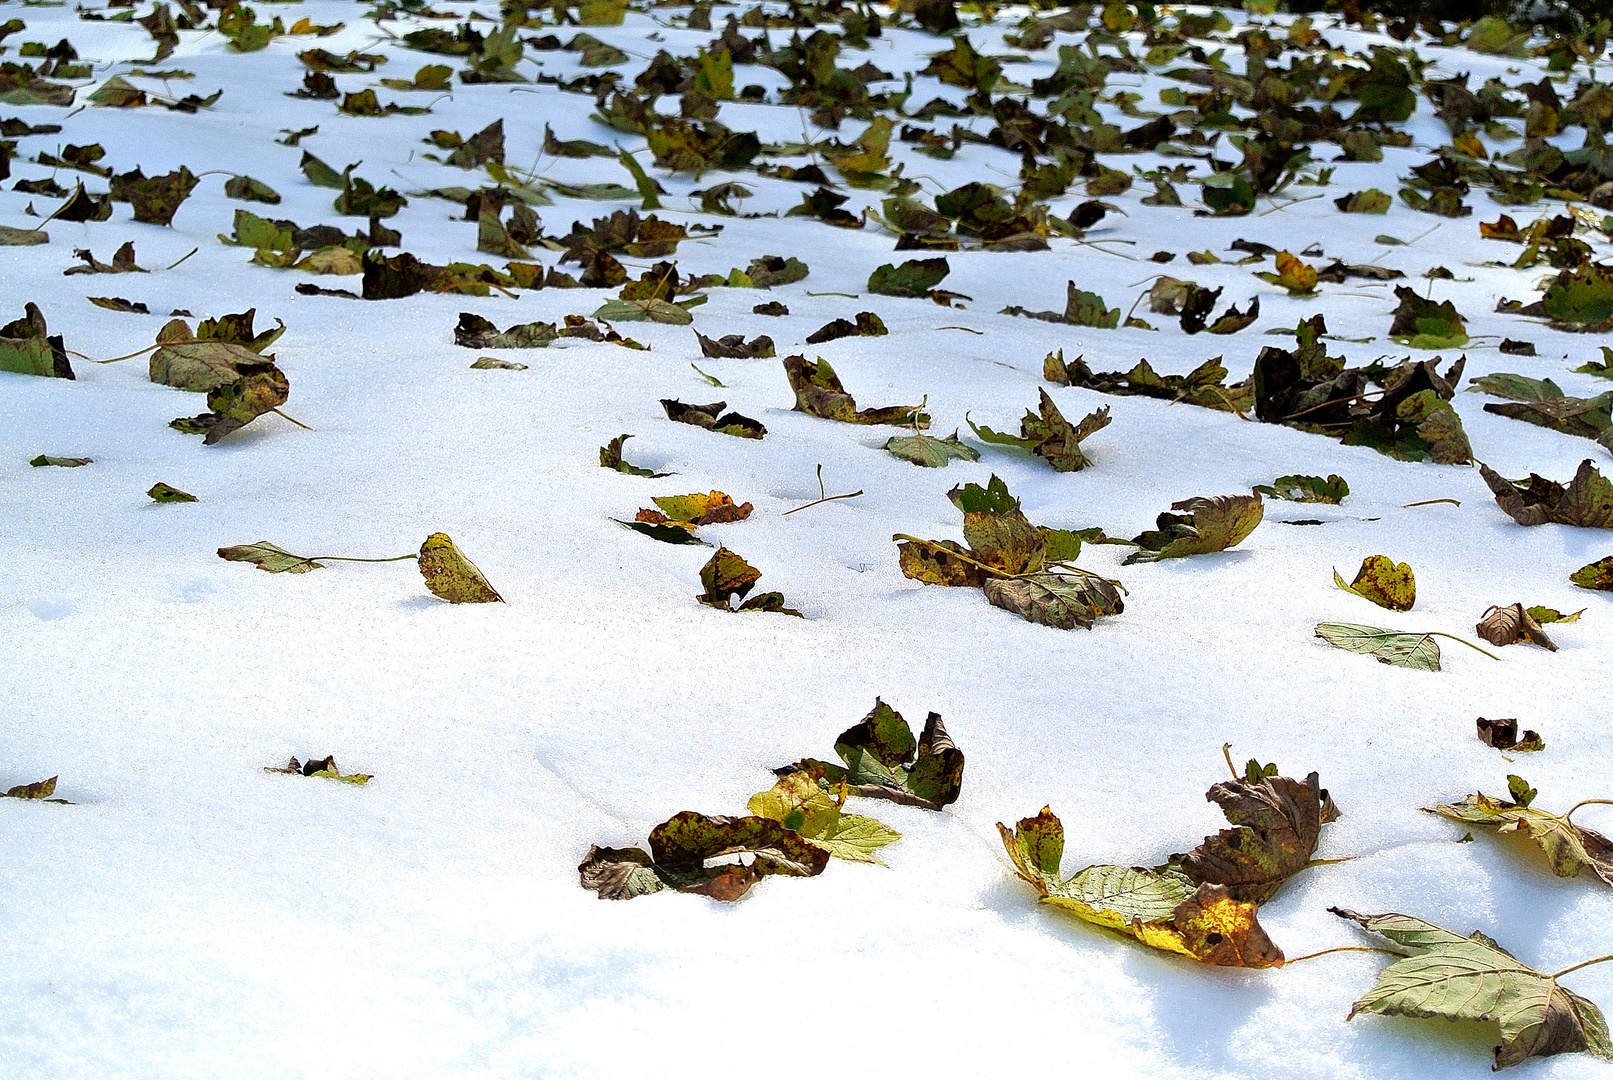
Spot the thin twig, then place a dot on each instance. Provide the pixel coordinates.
(193, 251)
(349, 558)
(823, 491)
(293, 419)
(1586, 802)
(1431, 502)
(1226, 752)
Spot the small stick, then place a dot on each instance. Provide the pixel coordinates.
(193, 251)
(823, 491)
(1431, 502)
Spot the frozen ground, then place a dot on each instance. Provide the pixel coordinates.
(194, 916)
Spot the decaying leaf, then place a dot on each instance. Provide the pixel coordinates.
(1586, 501)
(28, 348)
(735, 347)
(882, 760)
(1277, 823)
(1306, 489)
(867, 325)
(202, 366)
(682, 847)
(261, 388)
(323, 767)
(1161, 908)
(1418, 651)
(1503, 735)
(1050, 436)
(63, 462)
(40, 790)
(1474, 978)
(690, 511)
(712, 418)
(928, 451)
(818, 392)
(1064, 600)
(610, 457)
(493, 363)
(728, 577)
(1424, 324)
(1512, 624)
(800, 803)
(1570, 848)
(475, 332)
(164, 494)
(451, 576)
(1210, 524)
(1597, 575)
(1383, 581)
(267, 556)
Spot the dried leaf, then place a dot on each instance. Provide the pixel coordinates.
(1306, 489)
(1587, 501)
(1509, 625)
(266, 556)
(610, 457)
(164, 494)
(1278, 821)
(1062, 600)
(1383, 581)
(883, 761)
(451, 576)
(1503, 735)
(1570, 849)
(1210, 524)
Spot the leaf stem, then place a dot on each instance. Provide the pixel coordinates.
(847, 295)
(824, 492)
(193, 251)
(1586, 802)
(1464, 641)
(1582, 963)
(1369, 948)
(1226, 752)
(293, 419)
(1431, 502)
(348, 558)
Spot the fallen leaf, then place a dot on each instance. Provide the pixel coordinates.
(1503, 735)
(1597, 575)
(1062, 600)
(867, 325)
(1050, 436)
(1306, 489)
(1551, 615)
(712, 418)
(267, 556)
(451, 576)
(914, 278)
(164, 494)
(928, 451)
(1292, 274)
(610, 457)
(1474, 978)
(882, 760)
(1160, 908)
(734, 347)
(1424, 324)
(1417, 651)
(800, 803)
(1277, 822)
(42, 790)
(1509, 625)
(63, 462)
(683, 845)
(728, 577)
(324, 767)
(28, 348)
(1587, 501)
(493, 363)
(1210, 524)
(818, 392)
(262, 388)
(1383, 581)
(693, 510)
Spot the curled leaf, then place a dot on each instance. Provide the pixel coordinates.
(266, 556)
(1509, 625)
(451, 576)
(1383, 581)
(1210, 524)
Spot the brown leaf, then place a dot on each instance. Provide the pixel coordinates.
(1509, 625)
(1278, 822)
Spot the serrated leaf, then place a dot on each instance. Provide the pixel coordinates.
(1278, 822)
(930, 452)
(1570, 849)
(883, 761)
(1474, 978)
(1307, 489)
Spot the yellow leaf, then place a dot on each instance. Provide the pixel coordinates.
(1383, 581)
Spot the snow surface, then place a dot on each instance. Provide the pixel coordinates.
(194, 916)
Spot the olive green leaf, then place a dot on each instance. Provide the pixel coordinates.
(493, 363)
(712, 418)
(799, 802)
(1210, 524)
(728, 577)
(651, 309)
(1306, 489)
(1370, 201)
(884, 761)
(1597, 575)
(610, 457)
(451, 576)
(267, 556)
(1063, 600)
(1160, 908)
(244, 187)
(1383, 581)
(475, 332)
(64, 462)
(914, 278)
(321, 174)
(1586, 501)
(164, 494)
(262, 388)
(28, 348)
(713, 508)
(1423, 324)
(682, 846)
(818, 392)
(1277, 823)
(118, 303)
(324, 767)
(938, 562)
(1418, 651)
(155, 199)
(1049, 435)
(10, 237)
(1570, 849)
(202, 365)
(1551, 615)
(867, 324)
(1474, 978)
(930, 452)
(1508, 625)
(41, 790)
(666, 534)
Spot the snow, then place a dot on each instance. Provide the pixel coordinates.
(194, 916)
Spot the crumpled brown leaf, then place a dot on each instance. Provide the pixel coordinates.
(1278, 822)
(1512, 624)
(1586, 501)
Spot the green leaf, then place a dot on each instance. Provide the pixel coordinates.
(928, 451)
(1474, 978)
(728, 577)
(28, 348)
(266, 556)
(1597, 575)
(244, 187)
(1050, 436)
(1306, 489)
(1370, 201)
(1418, 651)
(63, 462)
(818, 392)
(666, 534)
(1570, 849)
(43, 789)
(451, 576)
(10, 237)
(164, 494)
(1423, 324)
(799, 802)
(914, 278)
(650, 310)
(610, 457)
(1210, 524)
(1064, 600)
(202, 366)
(883, 761)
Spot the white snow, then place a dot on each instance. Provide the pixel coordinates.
(194, 916)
